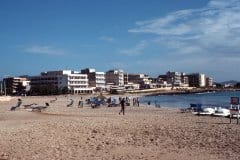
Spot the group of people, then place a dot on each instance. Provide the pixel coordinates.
(122, 101)
(126, 101)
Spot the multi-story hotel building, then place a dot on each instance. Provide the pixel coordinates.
(95, 79)
(197, 80)
(209, 82)
(76, 82)
(141, 79)
(115, 77)
(15, 85)
(173, 79)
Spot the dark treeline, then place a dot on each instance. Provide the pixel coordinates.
(47, 90)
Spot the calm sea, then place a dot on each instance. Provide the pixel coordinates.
(184, 100)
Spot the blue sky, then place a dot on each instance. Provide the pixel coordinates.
(138, 36)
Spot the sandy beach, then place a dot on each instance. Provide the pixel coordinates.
(144, 132)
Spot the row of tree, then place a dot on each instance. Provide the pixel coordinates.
(47, 90)
(236, 86)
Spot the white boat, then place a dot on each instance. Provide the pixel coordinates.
(223, 112)
(205, 111)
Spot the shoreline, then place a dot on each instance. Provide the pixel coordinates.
(155, 92)
(144, 92)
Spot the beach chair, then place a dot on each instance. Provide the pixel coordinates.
(197, 108)
(40, 108)
(185, 110)
(70, 104)
(189, 109)
(26, 106)
(95, 103)
(13, 108)
(234, 113)
(51, 101)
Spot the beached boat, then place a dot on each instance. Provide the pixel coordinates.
(199, 110)
(207, 111)
(223, 112)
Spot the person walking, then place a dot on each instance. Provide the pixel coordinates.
(122, 102)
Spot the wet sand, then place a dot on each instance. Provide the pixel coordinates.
(61, 132)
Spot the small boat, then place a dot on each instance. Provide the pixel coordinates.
(222, 112)
(207, 111)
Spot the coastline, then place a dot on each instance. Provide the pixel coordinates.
(160, 91)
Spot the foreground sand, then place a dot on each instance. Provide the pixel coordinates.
(85, 133)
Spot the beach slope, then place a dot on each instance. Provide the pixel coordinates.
(62, 132)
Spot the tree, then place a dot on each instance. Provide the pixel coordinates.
(237, 85)
(219, 85)
(48, 89)
(64, 90)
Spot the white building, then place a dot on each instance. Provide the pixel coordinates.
(76, 82)
(202, 80)
(100, 79)
(115, 77)
(141, 79)
(96, 79)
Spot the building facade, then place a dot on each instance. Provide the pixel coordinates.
(197, 80)
(95, 79)
(75, 82)
(173, 79)
(143, 80)
(209, 82)
(15, 85)
(115, 77)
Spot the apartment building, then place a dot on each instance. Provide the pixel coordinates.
(177, 79)
(209, 82)
(197, 80)
(75, 82)
(15, 85)
(115, 77)
(143, 80)
(95, 79)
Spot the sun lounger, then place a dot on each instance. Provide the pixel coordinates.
(39, 108)
(26, 106)
(186, 110)
(51, 101)
(70, 104)
(196, 108)
(13, 108)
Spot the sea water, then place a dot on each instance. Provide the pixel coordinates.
(184, 100)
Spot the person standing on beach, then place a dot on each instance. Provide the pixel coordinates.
(122, 102)
(137, 101)
(80, 103)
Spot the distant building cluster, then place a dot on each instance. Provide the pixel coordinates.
(177, 79)
(90, 81)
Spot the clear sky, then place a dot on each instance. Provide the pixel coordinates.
(138, 36)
